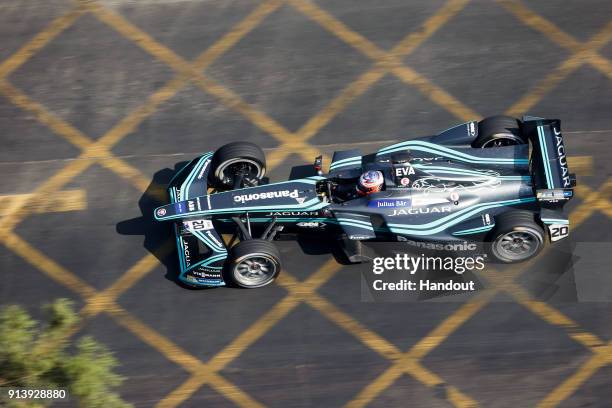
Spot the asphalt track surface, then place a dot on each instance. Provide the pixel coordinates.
(100, 100)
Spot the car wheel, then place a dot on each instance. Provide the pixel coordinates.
(253, 263)
(498, 131)
(237, 161)
(516, 237)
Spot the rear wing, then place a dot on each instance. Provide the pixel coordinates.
(553, 181)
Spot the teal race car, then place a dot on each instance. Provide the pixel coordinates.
(501, 180)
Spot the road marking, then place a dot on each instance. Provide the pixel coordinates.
(296, 296)
(230, 391)
(581, 53)
(582, 165)
(572, 383)
(160, 343)
(602, 353)
(101, 152)
(393, 60)
(194, 71)
(592, 201)
(51, 268)
(39, 41)
(366, 336)
(408, 362)
(62, 201)
(101, 301)
(59, 126)
(436, 94)
(102, 148)
(237, 33)
(501, 282)
(185, 68)
(365, 81)
(40, 194)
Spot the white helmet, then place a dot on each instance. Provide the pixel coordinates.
(370, 182)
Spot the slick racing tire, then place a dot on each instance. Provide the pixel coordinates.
(234, 158)
(498, 131)
(516, 237)
(253, 264)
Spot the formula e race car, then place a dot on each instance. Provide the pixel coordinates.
(501, 181)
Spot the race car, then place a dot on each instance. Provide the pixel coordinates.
(501, 180)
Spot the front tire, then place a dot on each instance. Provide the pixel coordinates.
(235, 159)
(498, 131)
(516, 237)
(253, 264)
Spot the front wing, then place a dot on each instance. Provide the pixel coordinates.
(201, 250)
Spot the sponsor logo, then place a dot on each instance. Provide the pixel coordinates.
(426, 159)
(471, 129)
(440, 246)
(161, 212)
(180, 207)
(405, 181)
(389, 203)
(425, 200)
(356, 237)
(554, 195)
(214, 239)
(186, 253)
(562, 159)
(454, 196)
(310, 224)
(486, 219)
(290, 213)
(243, 198)
(191, 205)
(425, 210)
(201, 174)
(199, 205)
(404, 171)
(204, 272)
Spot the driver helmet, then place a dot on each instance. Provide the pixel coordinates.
(370, 182)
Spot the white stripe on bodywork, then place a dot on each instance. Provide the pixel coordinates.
(437, 149)
(544, 150)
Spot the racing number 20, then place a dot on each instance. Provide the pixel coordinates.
(558, 231)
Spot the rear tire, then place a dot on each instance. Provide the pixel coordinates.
(232, 158)
(498, 131)
(253, 264)
(516, 237)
